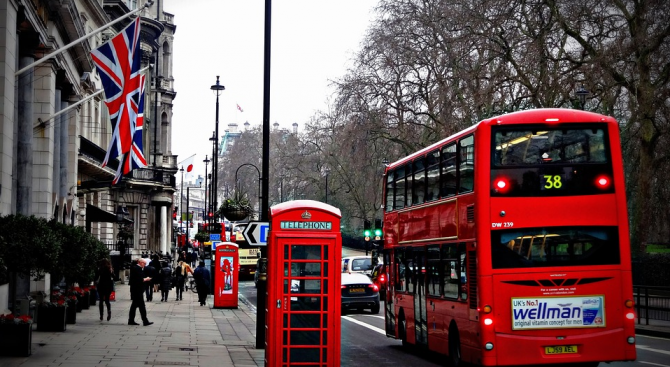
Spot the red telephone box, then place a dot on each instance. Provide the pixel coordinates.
(303, 293)
(225, 275)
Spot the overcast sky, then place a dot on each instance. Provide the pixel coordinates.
(313, 41)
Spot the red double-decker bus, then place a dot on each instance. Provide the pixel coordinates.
(508, 243)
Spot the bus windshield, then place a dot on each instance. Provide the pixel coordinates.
(557, 246)
(542, 145)
(541, 161)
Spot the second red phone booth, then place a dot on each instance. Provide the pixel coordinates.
(303, 293)
(225, 275)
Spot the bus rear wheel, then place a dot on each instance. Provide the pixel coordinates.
(402, 330)
(454, 347)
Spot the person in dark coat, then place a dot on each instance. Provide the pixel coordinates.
(104, 284)
(137, 281)
(156, 264)
(149, 271)
(202, 282)
(165, 276)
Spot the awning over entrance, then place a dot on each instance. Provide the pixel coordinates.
(95, 214)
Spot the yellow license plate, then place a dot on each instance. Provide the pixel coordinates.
(561, 349)
(356, 290)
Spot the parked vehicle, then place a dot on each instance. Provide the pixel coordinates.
(378, 278)
(358, 264)
(358, 292)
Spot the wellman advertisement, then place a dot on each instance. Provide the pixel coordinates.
(558, 312)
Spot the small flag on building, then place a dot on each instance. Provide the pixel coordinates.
(239, 108)
(187, 165)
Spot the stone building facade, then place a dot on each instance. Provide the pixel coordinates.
(55, 127)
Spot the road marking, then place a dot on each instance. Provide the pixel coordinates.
(377, 316)
(652, 349)
(652, 363)
(383, 332)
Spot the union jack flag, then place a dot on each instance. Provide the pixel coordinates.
(118, 64)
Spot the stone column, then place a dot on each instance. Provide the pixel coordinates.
(24, 149)
(57, 125)
(63, 161)
(164, 232)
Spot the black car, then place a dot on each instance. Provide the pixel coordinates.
(378, 277)
(358, 292)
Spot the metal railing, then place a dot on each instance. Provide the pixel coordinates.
(651, 303)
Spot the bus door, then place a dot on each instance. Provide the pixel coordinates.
(390, 290)
(420, 319)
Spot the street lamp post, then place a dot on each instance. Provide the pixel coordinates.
(260, 195)
(327, 173)
(206, 219)
(211, 181)
(217, 88)
(582, 93)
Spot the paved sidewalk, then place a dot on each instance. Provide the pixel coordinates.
(183, 334)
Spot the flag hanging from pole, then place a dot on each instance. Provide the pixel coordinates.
(118, 64)
(187, 165)
(239, 108)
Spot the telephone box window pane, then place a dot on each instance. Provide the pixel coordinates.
(284, 354)
(305, 286)
(303, 337)
(325, 303)
(305, 320)
(324, 353)
(325, 285)
(285, 286)
(305, 269)
(325, 320)
(325, 268)
(285, 320)
(325, 338)
(304, 355)
(285, 341)
(325, 252)
(305, 303)
(285, 252)
(285, 269)
(306, 252)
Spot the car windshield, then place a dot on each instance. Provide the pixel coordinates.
(361, 264)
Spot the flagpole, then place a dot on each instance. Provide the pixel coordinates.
(71, 44)
(69, 107)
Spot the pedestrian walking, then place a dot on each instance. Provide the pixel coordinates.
(149, 271)
(104, 284)
(181, 272)
(137, 282)
(193, 258)
(165, 277)
(202, 282)
(156, 264)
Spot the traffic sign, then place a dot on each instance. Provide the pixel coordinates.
(215, 237)
(256, 233)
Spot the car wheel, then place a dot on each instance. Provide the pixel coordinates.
(375, 309)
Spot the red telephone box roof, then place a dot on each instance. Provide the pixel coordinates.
(227, 243)
(304, 204)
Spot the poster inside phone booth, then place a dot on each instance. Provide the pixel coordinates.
(303, 288)
(226, 275)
